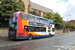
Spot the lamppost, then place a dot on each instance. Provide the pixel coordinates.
(68, 24)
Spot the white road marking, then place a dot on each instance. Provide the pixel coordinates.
(10, 44)
(58, 49)
(2, 45)
(62, 46)
(65, 46)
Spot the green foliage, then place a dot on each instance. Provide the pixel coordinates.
(72, 26)
(68, 26)
(56, 18)
(49, 15)
(8, 7)
(34, 13)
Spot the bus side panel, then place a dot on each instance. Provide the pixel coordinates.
(20, 30)
(21, 33)
(38, 34)
(25, 23)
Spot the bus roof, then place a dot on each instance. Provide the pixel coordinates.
(41, 17)
(34, 15)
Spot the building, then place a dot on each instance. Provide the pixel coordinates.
(30, 6)
(69, 22)
(65, 22)
(72, 22)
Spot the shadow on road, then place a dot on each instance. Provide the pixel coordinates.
(13, 40)
(4, 38)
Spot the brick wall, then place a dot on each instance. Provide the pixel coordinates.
(3, 32)
(58, 31)
(72, 22)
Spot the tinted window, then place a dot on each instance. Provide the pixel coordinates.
(48, 24)
(30, 29)
(53, 29)
(11, 19)
(46, 21)
(26, 28)
(37, 19)
(35, 29)
(51, 22)
(40, 29)
(20, 16)
(49, 30)
(43, 29)
(32, 18)
(41, 20)
(23, 16)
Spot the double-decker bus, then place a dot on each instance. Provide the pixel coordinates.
(27, 26)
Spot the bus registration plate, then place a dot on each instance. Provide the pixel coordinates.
(12, 37)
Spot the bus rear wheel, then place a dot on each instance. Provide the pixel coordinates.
(30, 37)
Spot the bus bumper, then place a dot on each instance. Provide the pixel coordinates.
(21, 37)
(52, 34)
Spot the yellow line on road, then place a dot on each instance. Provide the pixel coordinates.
(73, 48)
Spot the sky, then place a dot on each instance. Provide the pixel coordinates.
(66, 8)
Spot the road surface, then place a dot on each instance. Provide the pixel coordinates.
(65, 41)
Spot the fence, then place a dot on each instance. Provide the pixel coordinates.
(4, 24)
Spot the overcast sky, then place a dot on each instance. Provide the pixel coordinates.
(66, 8)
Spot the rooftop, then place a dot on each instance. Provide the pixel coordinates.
(41, 8)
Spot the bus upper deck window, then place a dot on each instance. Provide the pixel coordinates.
(46, 21)
(32, 18)
(20, 16)
(37, 19)
(23, 16)
(41, 20)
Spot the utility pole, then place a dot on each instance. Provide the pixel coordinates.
(68, 24)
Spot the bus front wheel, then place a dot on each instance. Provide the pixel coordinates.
(50, 35)
(30, 37)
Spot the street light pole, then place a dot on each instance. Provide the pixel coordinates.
(68, 24)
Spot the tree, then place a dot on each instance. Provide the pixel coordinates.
(56, 18)
(34, 13)
(68, 26)
(72, 26)
(49, 15)
(8, 7)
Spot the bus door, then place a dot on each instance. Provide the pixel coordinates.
(47, 31)
(53, 29)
